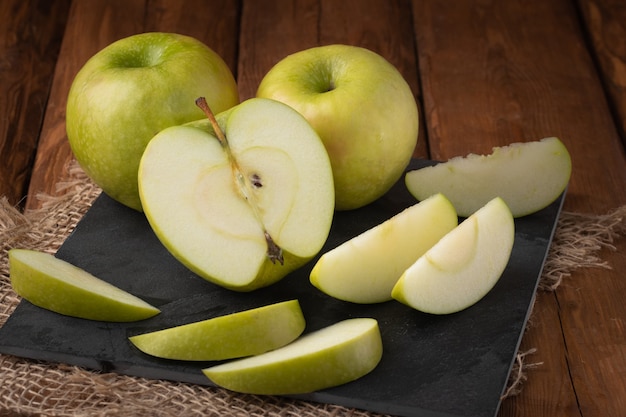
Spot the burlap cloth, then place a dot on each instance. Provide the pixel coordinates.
(36, 388)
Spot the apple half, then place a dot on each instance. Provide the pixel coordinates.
(56, 285)
(463, 266)
(527, 176)
(365, 268)
(332, 356)
(245, 333)
(241, 199)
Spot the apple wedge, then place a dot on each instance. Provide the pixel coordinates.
(365, 268)
(56, 285)
(334, 355)
(242, 199)
(463, 266)
(235, 335)
(527, 176)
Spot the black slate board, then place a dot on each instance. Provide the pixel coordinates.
(452, 365)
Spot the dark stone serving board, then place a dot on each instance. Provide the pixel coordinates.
(451, 365)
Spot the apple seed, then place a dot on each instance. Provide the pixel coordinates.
(244, 185)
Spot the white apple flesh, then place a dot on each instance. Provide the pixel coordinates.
(56, 285)
(362, 108)
(218, 208)
(329, 357)
(129, 91)
(460, 269)
(527, 176)
(245, 333)
(365, 268)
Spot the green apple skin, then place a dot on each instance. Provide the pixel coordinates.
(363, 110)
(132, 89)
(56, 285)
(365, 268)
(197, 210)
(528, 176)
(329, 357)
(245, 333)
(460, 269)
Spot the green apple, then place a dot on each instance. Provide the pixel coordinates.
(365, 268)
(235, 335)
(463, 266)
(363, 110)
(132, 89)
(56, 285)
(242, 203)
(528, 176)
(332, 356)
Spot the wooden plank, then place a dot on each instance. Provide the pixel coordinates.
(605, 21)
(29, 43)
(271, 30)
(91, 26)
(550, 375)
(496, 72)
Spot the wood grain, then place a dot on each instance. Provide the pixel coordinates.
(91, 26)
(605, 23)
(29, 44)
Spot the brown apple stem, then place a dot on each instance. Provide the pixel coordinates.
(274, 252)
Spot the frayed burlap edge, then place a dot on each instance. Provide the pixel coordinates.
(33, 388)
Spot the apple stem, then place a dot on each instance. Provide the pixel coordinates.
(274, 252)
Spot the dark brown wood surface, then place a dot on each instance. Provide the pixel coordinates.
(485, 73)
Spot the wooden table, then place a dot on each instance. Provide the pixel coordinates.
(485, 73)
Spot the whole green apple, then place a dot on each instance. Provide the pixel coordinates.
(361, 107)
(131, 90)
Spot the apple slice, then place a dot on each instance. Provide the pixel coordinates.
(365, 268)
(463, 266)
(335, 355)
(527, 176)
(241, 200)
(245, 333)
(56, 285)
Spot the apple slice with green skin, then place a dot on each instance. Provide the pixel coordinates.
(56, 285)
(332, 356)
(528, 176)
(365, 268)
(235, 335)
(463, 266)
(242, 199)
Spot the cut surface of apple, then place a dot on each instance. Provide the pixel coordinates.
(235, 335)
(365, 268)
(245, 212)
(334, 355)
(527, 176)
(56, 285)
(463, 266)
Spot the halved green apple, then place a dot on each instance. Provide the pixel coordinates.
(235, 335)
(56, 285)
(527, 176)
(334, 355)
(463, 266)
(365, 268)
(242, 200)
